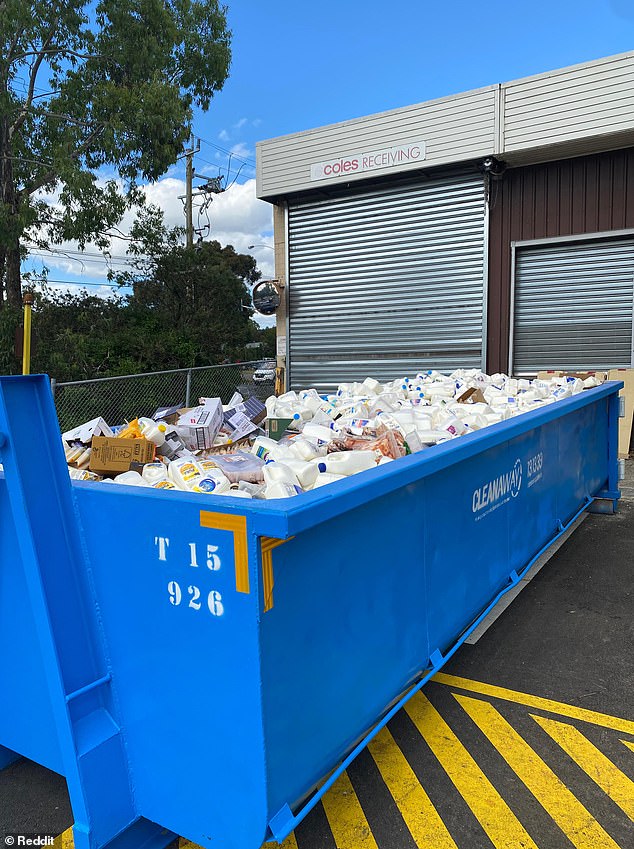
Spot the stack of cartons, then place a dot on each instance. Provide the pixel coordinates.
(627, 376)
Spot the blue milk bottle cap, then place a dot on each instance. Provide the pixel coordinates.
(322, 467)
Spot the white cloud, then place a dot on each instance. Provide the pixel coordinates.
(237, 218)
(224, 136)
(242, 150)
(240, 123)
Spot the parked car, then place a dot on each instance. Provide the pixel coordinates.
(264, 372)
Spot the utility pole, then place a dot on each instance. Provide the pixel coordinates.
(189, 179)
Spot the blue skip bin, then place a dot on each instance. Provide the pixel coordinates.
(198, 665)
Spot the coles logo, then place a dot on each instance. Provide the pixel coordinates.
(498, 491)
(389, 157)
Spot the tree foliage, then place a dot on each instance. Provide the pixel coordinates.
(88, 90)
(189, 309)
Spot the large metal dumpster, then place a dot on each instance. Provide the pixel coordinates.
(197, 665)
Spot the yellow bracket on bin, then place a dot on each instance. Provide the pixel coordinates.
(267, 545)
(238, 527)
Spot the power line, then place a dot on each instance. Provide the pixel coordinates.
(75, 283)
(221, 170)
(228, 152)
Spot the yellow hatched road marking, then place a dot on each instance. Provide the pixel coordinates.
(505, 831)
(570, 711)
(347, 821)
(417, 809)
(566, 810)
(593, 762)
(65, 840)
(629, 744)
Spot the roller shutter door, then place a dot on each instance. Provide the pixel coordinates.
(573, 306)
(386, 282)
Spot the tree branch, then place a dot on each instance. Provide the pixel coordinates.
(61, 51)
(51, 175)
(32, 78)
(61, 115)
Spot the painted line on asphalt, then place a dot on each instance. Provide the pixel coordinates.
(570, 711)
(503, 828)
(576, 822)
(592, 761)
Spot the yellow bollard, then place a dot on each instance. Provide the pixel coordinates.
(27, 303)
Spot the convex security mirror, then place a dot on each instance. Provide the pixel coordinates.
(266, 297)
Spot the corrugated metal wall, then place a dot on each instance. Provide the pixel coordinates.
(570, 105)
(586, 195)
(387, 281)
(573, 305)
(455, 129)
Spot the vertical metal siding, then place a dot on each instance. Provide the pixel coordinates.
(573, 305)
(387, 281)
(586, 195)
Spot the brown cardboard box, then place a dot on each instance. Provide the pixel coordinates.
(625, 424)
(472, 396)
(111, 454)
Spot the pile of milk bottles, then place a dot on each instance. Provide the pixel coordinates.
(368, 424)
(350, 431)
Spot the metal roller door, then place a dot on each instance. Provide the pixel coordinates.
(573, 305)
(386, 282)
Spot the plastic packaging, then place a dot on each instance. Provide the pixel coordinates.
(130, 478)
(239, 466)
(154, 472)
(348, 462)
(305, 472)
(184, 472)
(152, 431)
(324, 478)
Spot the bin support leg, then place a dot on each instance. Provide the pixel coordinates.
(71, 642)
(607, 501)
(7, 757)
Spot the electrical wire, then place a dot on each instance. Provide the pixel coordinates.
(228, 152)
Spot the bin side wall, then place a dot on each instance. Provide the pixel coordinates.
(27, 725)
(346, 634)
(183, 647)
(491, 514)
(362, 602)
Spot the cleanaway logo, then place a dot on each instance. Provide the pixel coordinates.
(498, 491)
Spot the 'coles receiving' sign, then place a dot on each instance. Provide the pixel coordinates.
(355, 163)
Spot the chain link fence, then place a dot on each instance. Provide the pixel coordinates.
(119, 399)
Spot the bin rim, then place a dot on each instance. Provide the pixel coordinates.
(283, 518)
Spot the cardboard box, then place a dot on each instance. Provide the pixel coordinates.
(111, 454)
(625, 424)
(169, 415)
(85, 432)
(199, 427)
(472, 396)
(276, 428)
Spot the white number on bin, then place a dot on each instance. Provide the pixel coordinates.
(213, 560)
(192, 548)
(195, 595)
(214, 601)
(175, 593)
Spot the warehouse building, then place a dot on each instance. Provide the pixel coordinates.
(492, 229)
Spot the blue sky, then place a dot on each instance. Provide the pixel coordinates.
(300, 65)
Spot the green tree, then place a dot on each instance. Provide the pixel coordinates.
(198, 297)
(91, 89)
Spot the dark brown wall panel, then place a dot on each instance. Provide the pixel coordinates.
(590, 194)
